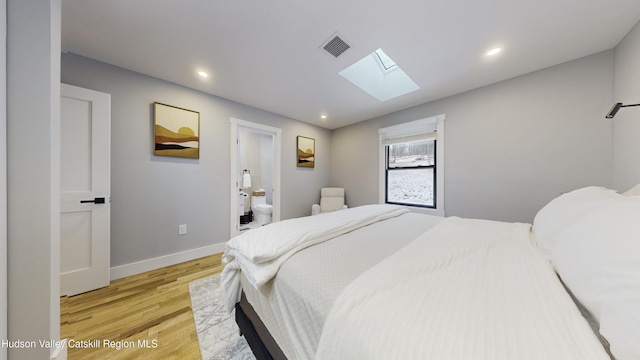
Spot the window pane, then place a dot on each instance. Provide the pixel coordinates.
(420, 153)
(410, 186)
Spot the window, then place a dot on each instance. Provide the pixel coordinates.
(410, 173)
(412, 165)
(385, 61)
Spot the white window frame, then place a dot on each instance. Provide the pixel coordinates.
(416, 127)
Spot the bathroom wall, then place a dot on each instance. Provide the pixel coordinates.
(255, 152)
(266, 167)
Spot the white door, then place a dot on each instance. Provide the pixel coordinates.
(85, 130)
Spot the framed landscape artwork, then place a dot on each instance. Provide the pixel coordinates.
(306, 152)
(176, 131)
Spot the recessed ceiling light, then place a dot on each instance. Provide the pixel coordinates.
(203, 74)
(493, 51)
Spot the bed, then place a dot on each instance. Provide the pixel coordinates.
(380, 282)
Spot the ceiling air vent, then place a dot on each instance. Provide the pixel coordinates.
(335, 45)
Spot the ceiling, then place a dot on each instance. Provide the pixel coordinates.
(268, 54)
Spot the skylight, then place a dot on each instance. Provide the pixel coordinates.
(385, 61)
(379, 76)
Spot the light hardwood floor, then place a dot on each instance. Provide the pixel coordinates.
(153, 307)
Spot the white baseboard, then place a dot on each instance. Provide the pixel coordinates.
(122, 271)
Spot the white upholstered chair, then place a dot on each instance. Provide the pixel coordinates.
(331, 199)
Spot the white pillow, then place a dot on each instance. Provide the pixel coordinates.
(562, 211)
(598, 258)
(634, 191)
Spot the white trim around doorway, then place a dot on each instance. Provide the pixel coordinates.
(234, 181)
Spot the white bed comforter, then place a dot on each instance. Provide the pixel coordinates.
(259, 253)
(467, 289)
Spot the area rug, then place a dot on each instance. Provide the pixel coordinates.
(218, 334)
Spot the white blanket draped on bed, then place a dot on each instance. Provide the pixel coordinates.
(259, 253)
(467, 289)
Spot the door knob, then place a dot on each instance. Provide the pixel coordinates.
(97, 200)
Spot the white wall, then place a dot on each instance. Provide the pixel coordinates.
(3, 175)
(266, 167)
(626, 124)
(152, 195)
(256, 154)
(33, 162)
(510, 147)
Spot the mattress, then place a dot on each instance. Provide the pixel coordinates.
(484, 292)
(296, 302)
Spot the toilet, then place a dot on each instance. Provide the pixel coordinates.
(261, 210)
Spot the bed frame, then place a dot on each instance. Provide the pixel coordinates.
(262, 344)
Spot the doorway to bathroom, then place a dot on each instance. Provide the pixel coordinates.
(255, 175)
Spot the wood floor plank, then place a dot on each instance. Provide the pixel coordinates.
(145, 316)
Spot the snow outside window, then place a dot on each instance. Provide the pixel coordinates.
(410, 173)
(412, 165)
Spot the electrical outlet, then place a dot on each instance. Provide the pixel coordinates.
(182, 229)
